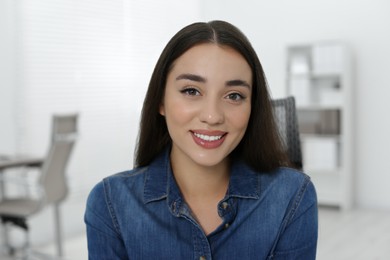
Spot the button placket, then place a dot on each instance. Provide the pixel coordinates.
(227, 211)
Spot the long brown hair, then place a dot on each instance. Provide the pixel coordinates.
(260, 147)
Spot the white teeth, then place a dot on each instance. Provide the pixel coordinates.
(208, 137)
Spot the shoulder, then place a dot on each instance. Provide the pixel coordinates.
(126, 178)
(288, 177)
(290, 184)
(286, 173)
(116, 185)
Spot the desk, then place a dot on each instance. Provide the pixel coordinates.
(19, 161)
(8, 162)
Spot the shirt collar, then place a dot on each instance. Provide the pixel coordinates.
(156, 179)
(160, 183)
(244, 182)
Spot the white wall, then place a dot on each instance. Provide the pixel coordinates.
(365, 26)
(7, 76)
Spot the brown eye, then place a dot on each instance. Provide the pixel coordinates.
(190, 92)
(235, 96)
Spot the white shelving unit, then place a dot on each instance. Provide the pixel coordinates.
(319, 77)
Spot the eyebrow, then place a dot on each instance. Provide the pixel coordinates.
(237, 82)
(197, 78)
(191, 77)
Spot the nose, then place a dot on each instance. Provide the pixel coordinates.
(212, 112)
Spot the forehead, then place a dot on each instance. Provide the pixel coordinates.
(206, 58)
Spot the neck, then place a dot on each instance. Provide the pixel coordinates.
(200, 182)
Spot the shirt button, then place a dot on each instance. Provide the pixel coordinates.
(202, 258)
(225, 205)
(227, 226)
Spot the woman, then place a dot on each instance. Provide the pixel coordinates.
(211, 180)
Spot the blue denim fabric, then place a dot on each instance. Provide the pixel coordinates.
(140, 214)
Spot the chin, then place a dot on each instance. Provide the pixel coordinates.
(206, 161)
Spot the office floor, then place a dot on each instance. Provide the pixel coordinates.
(348, 235)
(354, 235)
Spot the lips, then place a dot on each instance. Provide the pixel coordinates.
(208, 139)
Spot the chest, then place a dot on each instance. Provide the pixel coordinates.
(157, 233)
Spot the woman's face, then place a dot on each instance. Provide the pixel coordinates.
(207, 104)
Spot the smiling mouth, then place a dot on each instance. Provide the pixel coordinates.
(208, 138)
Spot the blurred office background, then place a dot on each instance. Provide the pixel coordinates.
(96, 57)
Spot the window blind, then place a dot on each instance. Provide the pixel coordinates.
(94, 58)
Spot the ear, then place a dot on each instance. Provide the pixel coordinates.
(162, 109)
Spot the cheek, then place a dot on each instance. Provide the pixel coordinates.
(177, 112)
(240, 119)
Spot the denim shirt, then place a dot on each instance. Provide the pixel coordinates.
(141, 214)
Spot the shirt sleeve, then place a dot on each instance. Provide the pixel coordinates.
(103, 236)
(298, 238)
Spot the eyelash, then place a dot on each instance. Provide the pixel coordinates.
(190, 91)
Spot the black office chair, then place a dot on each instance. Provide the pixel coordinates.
(52, 185)
(287, 121)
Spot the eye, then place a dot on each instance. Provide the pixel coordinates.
(235, 96)
(190, 92)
